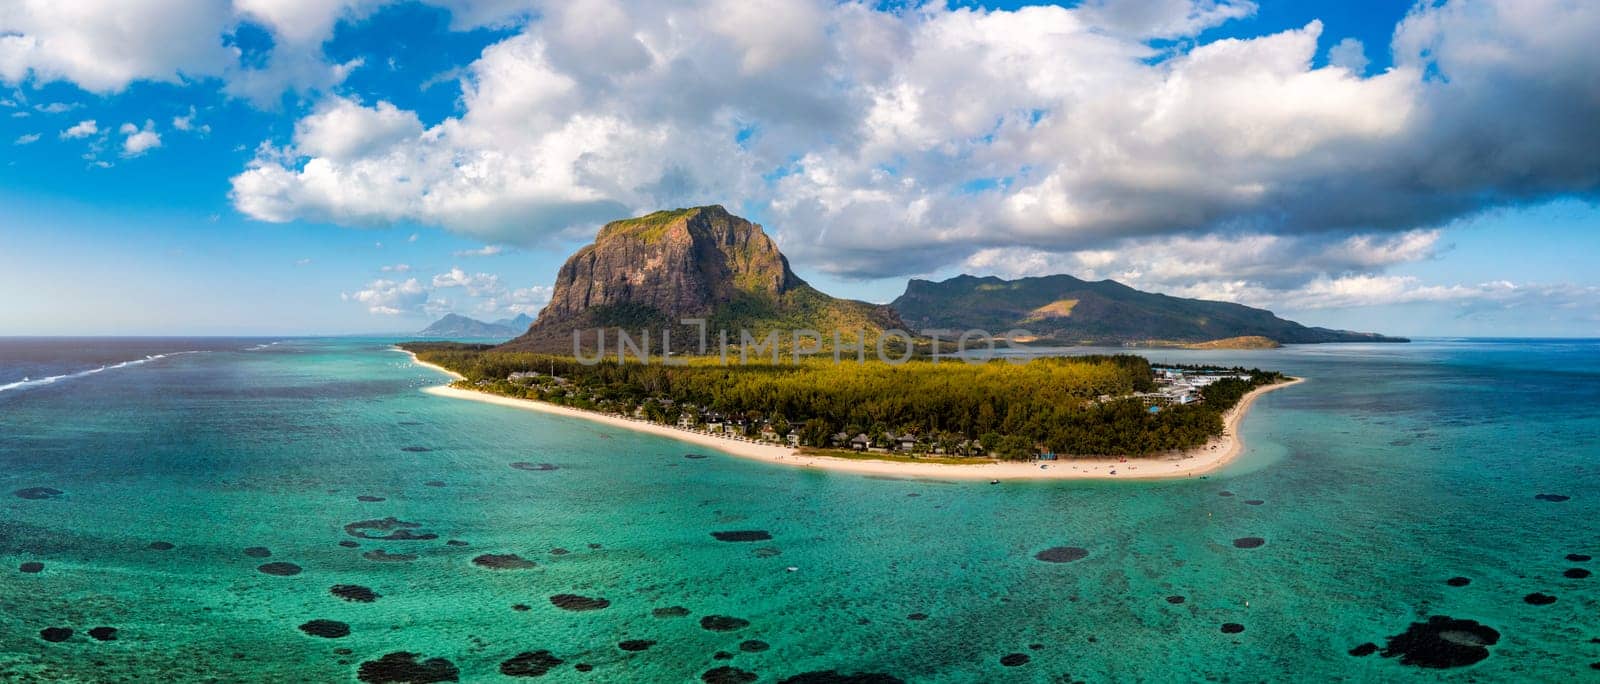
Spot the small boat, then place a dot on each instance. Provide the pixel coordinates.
(793, 569)
(994, 482)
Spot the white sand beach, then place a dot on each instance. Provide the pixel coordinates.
(1191, 463)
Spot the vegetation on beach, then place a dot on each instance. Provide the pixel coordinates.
(1071, 406)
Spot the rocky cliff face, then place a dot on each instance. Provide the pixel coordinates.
(652, 271)
(682, 262)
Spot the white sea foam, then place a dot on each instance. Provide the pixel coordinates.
(27, 383)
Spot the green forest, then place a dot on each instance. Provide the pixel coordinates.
(1068, 405)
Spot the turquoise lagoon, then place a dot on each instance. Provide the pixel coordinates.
(1395, 468)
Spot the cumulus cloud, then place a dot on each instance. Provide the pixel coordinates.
(342, 130)
(475, 284)
(486, 250)
(854, 130)
(187, 123)
(26, 139)
(391, 298)
(82, 129)
(526, 300)
(138, 141)
(104, 46)
(1349, 54)
(481, 294)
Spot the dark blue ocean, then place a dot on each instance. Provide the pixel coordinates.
(150, 486)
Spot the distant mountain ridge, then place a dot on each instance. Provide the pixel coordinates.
(456, 325)
(1067, 310)
(652, 271)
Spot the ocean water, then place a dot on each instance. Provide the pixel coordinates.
(1393, 469)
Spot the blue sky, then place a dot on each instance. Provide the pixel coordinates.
(269, 167)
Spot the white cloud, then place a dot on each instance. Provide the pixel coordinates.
(1349, 54)
(342, 130)
(1164, 18)
(82, 129)
(391, 298)
(856, 133)
(139, 141)
(527, 300)
(303, 262)
(104, 46)
(187, 123)
(486, 250)
(56, 107)
(27, 139)
(475, 284)
(485, 295)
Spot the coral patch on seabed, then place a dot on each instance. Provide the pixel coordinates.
(408, 668)
(576, 603)
(503, 561)
(280, 569)
(396, 529)
(1062, 554)
(1442, 642)
(742, 535)
(327, 629)
(530, 664)
(723, 623)
(354, 593)
(728, 675)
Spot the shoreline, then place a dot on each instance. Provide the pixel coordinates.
(1206, 458)
(453, 375)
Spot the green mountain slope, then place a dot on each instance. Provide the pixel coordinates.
(1064, 309)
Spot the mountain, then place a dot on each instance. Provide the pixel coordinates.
(453, 325)
(648, 273)
(1066, 310)
(517, 325)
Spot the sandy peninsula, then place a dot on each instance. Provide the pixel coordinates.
(1190, 463)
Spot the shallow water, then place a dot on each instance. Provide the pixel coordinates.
(1393, 469)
